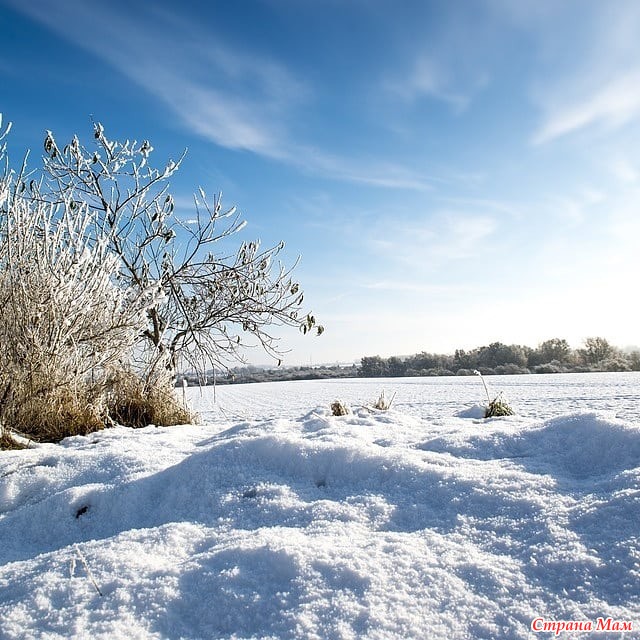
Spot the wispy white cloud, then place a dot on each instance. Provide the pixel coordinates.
(573, 209)
(430, 289)
(229, 121)
(236, 100)
(196, 80)
(359, 170)
(586, 58)
(428, 78)
(446, 55)
(466, 235)
(442, 238)
(491, 207)
(624, 170)
(611, 105)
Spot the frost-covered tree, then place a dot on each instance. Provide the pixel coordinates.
(214, 302)
(59, 305)
(554, 349)
(64, 320)
(104, 289)
(373, 367)
(596, 350)
(498, 353)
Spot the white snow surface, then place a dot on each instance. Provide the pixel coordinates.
(275, 519)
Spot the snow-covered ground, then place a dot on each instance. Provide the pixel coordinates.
(275, 519)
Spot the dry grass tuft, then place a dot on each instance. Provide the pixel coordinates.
(54, 412)
(382, 404)
(339, 408)
(8, 442)
(498, 407)
(54, 416)
(135, 403)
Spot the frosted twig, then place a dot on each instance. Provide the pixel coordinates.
(392, 399)
(484, 383)
(87, 569)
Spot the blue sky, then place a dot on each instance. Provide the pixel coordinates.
(452, 173)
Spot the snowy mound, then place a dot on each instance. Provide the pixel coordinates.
(580, 445)
(375, 525)
(585, 445)
(476, 411)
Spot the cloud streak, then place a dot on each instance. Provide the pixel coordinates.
(196, 81)
(429, 79)
(442, 238)
(611, 106)
(237, 101)
(588, 82)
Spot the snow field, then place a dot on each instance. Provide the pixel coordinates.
(304, 525)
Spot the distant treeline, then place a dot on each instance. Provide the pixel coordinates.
(551, 356)
(247, 374)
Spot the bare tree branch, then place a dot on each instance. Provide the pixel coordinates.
(213, 304)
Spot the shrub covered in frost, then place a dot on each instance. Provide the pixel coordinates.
(65, 321)
(550, 367)
(103, 290)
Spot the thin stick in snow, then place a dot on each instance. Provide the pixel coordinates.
(392, 399)
(184, 393)
(86, 566)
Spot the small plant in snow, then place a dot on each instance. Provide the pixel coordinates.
(339, 408)
(498, 406)
(382, 404)
(85, 564)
